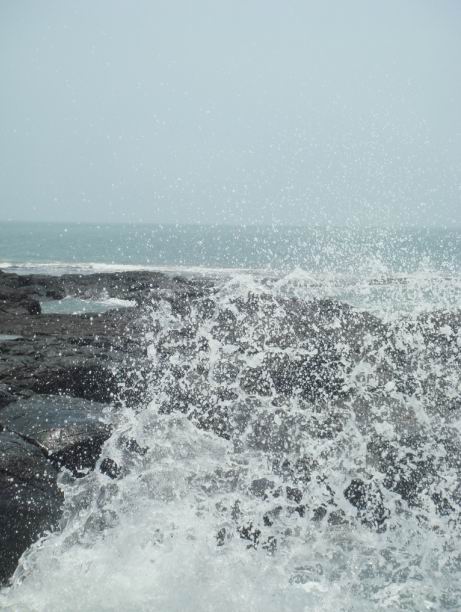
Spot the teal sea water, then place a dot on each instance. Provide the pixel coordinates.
(374, 268)
(276, 248)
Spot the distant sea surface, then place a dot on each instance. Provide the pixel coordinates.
(375, 268)
(59, 247)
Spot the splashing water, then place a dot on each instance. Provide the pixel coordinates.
(294, 453)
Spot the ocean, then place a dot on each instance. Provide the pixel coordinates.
(273, 248)
(377, 268)
(323, 493)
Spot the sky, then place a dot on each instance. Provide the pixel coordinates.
(231, 111)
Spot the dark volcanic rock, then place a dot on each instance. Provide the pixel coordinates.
(70, 431)
(98, 357)
(5, 396)
(18, 302)
(37, 437)
(133, 285)
(95, 357)
(82, 356)
(30, 502)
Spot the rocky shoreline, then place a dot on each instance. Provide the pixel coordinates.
(62, 376)
(58, 375)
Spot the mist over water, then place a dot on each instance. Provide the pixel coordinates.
(294, 453)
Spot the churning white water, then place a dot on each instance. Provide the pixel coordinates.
(293, 454)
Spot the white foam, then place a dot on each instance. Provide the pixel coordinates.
(58, 268)
(372, 288)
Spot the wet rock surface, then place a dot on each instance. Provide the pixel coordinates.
(57, 371)
(89, 355)
(69, 431)
(5, 396)
(30, 500)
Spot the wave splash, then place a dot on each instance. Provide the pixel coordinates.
(294, 453)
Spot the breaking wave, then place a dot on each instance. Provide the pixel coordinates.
(299, 449)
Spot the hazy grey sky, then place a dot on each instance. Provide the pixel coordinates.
(292, 111)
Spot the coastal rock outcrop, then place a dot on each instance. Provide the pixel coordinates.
(84, 357)
(300, 382)
(68, 430)
(57, 371)
(30, 501)
(39, 436)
